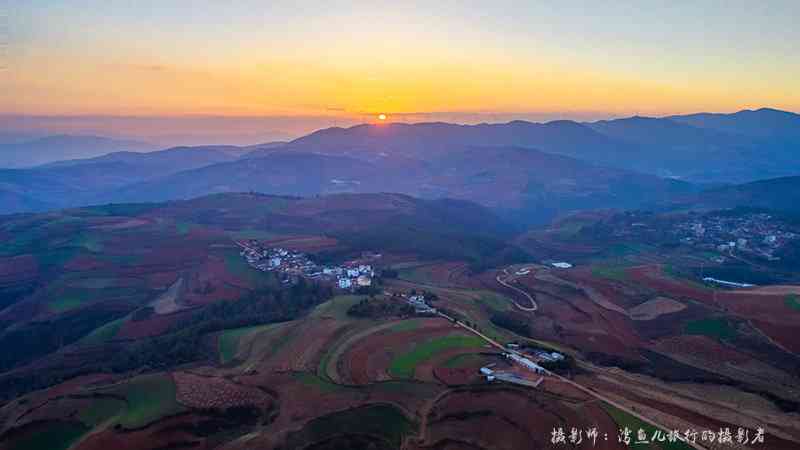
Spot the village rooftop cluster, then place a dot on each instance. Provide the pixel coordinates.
(293, 264)
(751, 234)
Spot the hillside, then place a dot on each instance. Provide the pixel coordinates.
(530, 184)
(82, 182)
(43, 150)
(781, 194)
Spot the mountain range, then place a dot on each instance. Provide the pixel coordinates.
(527, 170)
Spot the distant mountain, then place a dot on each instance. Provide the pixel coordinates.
(431, 140)
(530, 170)
(164, 161)
(681, 146)
(34, 152)
(86, 181)
(781, 194)
(530, 184)
(16, 202)
(761, 123)
(288, 173)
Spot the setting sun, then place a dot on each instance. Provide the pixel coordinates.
(381, 116)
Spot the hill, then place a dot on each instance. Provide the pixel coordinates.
(43, 150)
(81, 182)
(781, 194)
(528, 184)
(761, 123)
(738, 147)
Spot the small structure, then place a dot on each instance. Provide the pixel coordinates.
(353, 273)
(526, 363)
(345, 283)
(486, 371)
(275, 262)
(364, 280)
(562, 265)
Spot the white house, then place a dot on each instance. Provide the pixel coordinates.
(345, 283)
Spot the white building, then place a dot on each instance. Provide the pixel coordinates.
(562, 265)
(364, 280)
(275, 262)
(352, 273)
(345, 283)
(486, 371)
(527, 363)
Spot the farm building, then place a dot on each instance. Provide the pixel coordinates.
(526, 363)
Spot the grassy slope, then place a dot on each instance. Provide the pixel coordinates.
(718, 328)
(403, 366)
(149, 398)
(624, 419)
(54, 436)
(229, 340)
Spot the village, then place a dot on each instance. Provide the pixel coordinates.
(522, 364)
(758, 235)
(292, 265)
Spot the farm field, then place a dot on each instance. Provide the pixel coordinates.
(161, 335)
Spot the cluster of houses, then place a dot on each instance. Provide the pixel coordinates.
(420, 305)
(296, 264)
(755, 234)
(350, 277)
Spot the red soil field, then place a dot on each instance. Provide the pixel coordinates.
(206, 392)
(701, 347)
(511, 418)
(167, 433)
(653, 277)
(154, 325)
(305, 244)
(368, 360)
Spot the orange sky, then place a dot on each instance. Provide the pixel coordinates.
(359, 59)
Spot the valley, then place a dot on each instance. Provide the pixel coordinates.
(162, 333)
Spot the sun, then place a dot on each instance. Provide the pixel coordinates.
(381, 116)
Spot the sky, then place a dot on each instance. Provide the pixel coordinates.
(288, 67)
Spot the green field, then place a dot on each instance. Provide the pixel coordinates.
(52, 436)
(65, 303)
(792, 302)
(104, 333)
(417, 274)
(149, 398)
(624, 419)
(337, 307)
(717, 328)
(465, 360)
(383, 421)
(236, 265)
(403, 366)
(610, 272)
(101, 410)
(229, 340)
(406, 325)
(495, 301)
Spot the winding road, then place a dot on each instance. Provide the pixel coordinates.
(534, 306)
